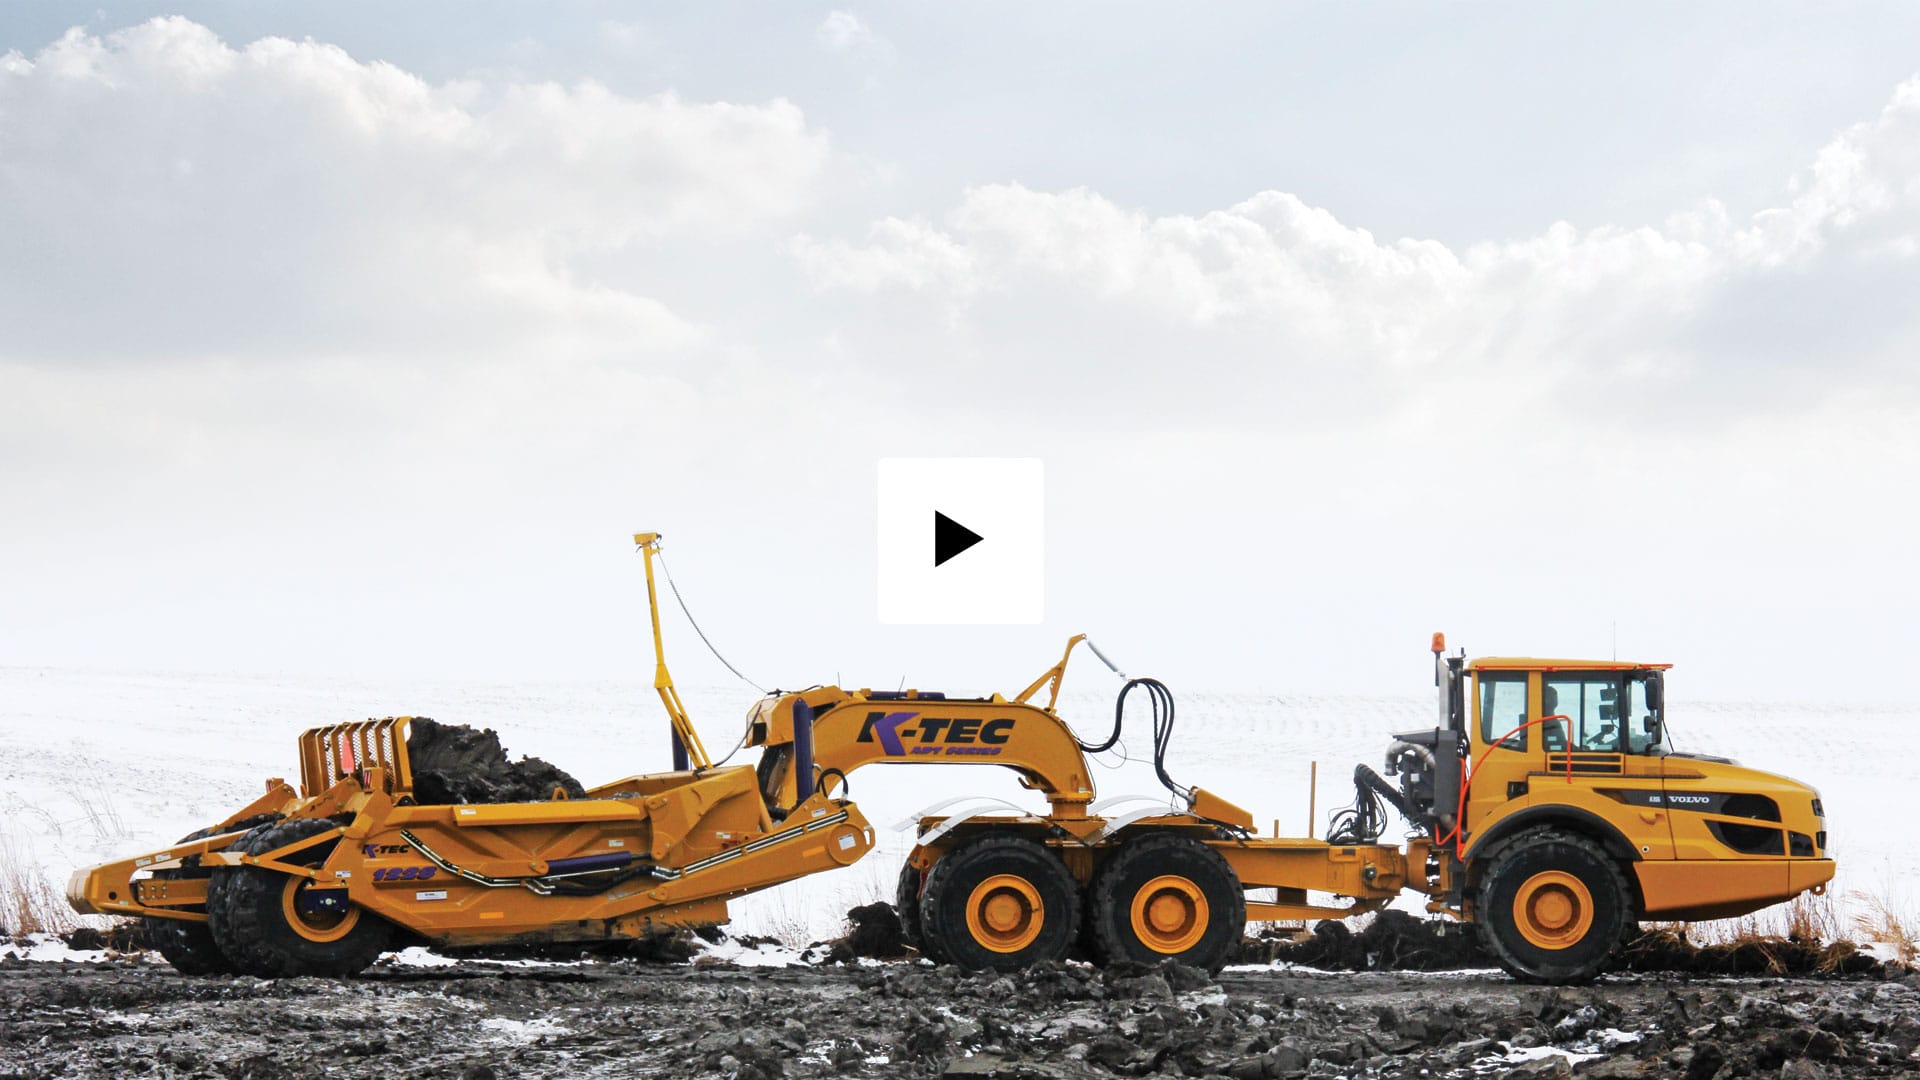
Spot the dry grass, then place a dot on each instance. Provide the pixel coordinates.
(1809, 933)
(29, 903)
(1869, 918)
(799, 914)
(869, 881)
(780, 913)
(1879, 921)
(1813, 918)
(97, 812)
(1809, 918)
(96, 821)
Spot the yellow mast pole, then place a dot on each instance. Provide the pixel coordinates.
(683, 732)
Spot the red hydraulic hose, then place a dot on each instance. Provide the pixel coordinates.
(1466, 779)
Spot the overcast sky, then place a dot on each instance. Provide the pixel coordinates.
(358, 338)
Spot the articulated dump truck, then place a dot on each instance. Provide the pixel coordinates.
(1543, 806)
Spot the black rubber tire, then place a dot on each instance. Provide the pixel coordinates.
(1539, 851)
(906, 903)
(929, 947)
(239, 953)
(954, 877)
(188, 946)
(244, 910)
(1144, 858)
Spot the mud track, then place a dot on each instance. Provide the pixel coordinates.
(627, 1019)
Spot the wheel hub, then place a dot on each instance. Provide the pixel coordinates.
(1169, 914)
(1553, 910)
(1005, 913)
(313, 921)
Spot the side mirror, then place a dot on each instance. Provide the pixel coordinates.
(1656, 692)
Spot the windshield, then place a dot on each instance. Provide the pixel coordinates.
(1599, 712)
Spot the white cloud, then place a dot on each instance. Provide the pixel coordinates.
(507, 320)
(909, 254)
(1277, 291)
(626, 37)
(844, 32)
(285, 196)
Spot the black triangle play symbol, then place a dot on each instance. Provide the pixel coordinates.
(950, 538)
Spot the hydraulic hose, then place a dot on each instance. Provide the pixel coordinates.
(1119, 715)
(1161, 701)
(1367, 818)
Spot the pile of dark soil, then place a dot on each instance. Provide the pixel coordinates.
(453, 763)
(124, 935)
(874, 933)
(664, 947)
(1664, 950)
(1392, 941)
(1397, 941)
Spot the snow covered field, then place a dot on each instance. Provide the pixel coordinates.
(96, 765)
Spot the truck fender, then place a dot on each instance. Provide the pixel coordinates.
(1572, 818)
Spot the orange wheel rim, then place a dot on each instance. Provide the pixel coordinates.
(312, 926)
(1005, 913)
(1553, 910)
(1169, 914)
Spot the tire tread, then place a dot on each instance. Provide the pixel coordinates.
(1110, 911)
(906, 903)
(244, 911)
(1496, 942)
(937, 936)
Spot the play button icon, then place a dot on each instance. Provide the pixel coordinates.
(950, 538)
(985, 519)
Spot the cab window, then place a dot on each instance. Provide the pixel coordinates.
(1503, 707)
(1643, 728)
(1590, 704)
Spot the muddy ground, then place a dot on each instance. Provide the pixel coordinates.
(625, 1018)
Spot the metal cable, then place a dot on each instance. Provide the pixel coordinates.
(1113, 743)
(1103, 659)
(736, 747)
(1119, 750)
(662, 556)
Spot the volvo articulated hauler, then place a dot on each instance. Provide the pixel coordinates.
(1543, 803)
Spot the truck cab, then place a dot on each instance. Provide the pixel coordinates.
(1567, 754)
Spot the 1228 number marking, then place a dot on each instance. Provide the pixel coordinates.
(405, 873)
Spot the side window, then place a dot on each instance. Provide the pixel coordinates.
(1642, 726)
(1591, 705)
(1503, 707)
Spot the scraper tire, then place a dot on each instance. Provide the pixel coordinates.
(239, 953)
(256, 915)
(188, 946)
